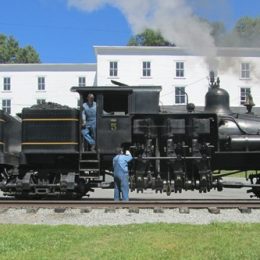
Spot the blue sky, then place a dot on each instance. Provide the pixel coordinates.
(63, 34)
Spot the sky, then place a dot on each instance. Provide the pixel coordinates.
(65, 31)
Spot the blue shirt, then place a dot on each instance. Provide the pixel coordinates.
(120, 164)
(89, 114)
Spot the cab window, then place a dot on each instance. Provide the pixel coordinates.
(115, 104)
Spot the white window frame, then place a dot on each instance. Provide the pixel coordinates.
(179, 69)
(82, 81)
(6, 84)
(113, 68)
(243, 95)
(146, 69)
(7, 108)
(180, 95)
(41, 80)
(245, 70)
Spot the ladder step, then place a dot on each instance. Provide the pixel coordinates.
(89, 161)
(89, 152)
(89, 170)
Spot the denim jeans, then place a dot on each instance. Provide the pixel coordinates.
(121, 189)
(89, 134)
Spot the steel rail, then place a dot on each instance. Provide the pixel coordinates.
(141, 204)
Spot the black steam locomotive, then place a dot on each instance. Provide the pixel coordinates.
(45, 155)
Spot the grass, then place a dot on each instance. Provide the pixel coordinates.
(148, 241)
(239, 175)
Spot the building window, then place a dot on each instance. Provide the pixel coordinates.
(41, 101)
(146, 69)
(245, 71)
(179, 95)
(6, 105)
(113, 69)
(7, 84)
(243, 94)
(179, 69)
(82, 82)
(41, 83)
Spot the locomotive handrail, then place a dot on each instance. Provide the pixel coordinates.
(237, 124)
(172, 157)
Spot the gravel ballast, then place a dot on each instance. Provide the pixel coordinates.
(96, 217)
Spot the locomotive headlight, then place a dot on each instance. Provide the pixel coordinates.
(113, 124)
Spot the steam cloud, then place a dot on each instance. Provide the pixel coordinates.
(175, 19)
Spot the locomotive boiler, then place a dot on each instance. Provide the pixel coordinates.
(173, 151)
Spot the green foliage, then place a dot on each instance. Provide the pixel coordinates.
(149, 38)
(247, 30)
(218, 31)
(246, 33)
(11, 52)
(148, 241)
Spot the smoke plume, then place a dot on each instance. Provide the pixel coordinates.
(175, 20)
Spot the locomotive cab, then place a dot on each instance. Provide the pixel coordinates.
(115, 109)
(113, 120)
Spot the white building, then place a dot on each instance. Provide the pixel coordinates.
(175, 69)
(23, 85)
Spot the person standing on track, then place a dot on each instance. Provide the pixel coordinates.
(121, 175)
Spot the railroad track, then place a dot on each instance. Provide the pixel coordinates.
(140, 204)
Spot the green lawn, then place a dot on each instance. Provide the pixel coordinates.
(148, 241)
(240, 174)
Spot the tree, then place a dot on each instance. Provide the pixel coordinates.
(247, 32)
(149, 38)
(27, 55)
(218, 32)
(11, 52)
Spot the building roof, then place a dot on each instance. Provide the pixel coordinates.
(177, 51)
(48, 67)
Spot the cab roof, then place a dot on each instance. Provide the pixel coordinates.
(109, 89)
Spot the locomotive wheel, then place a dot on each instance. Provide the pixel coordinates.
(168, 189)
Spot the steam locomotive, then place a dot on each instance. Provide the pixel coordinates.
(45, 154)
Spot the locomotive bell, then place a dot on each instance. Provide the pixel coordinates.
(217, 99)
